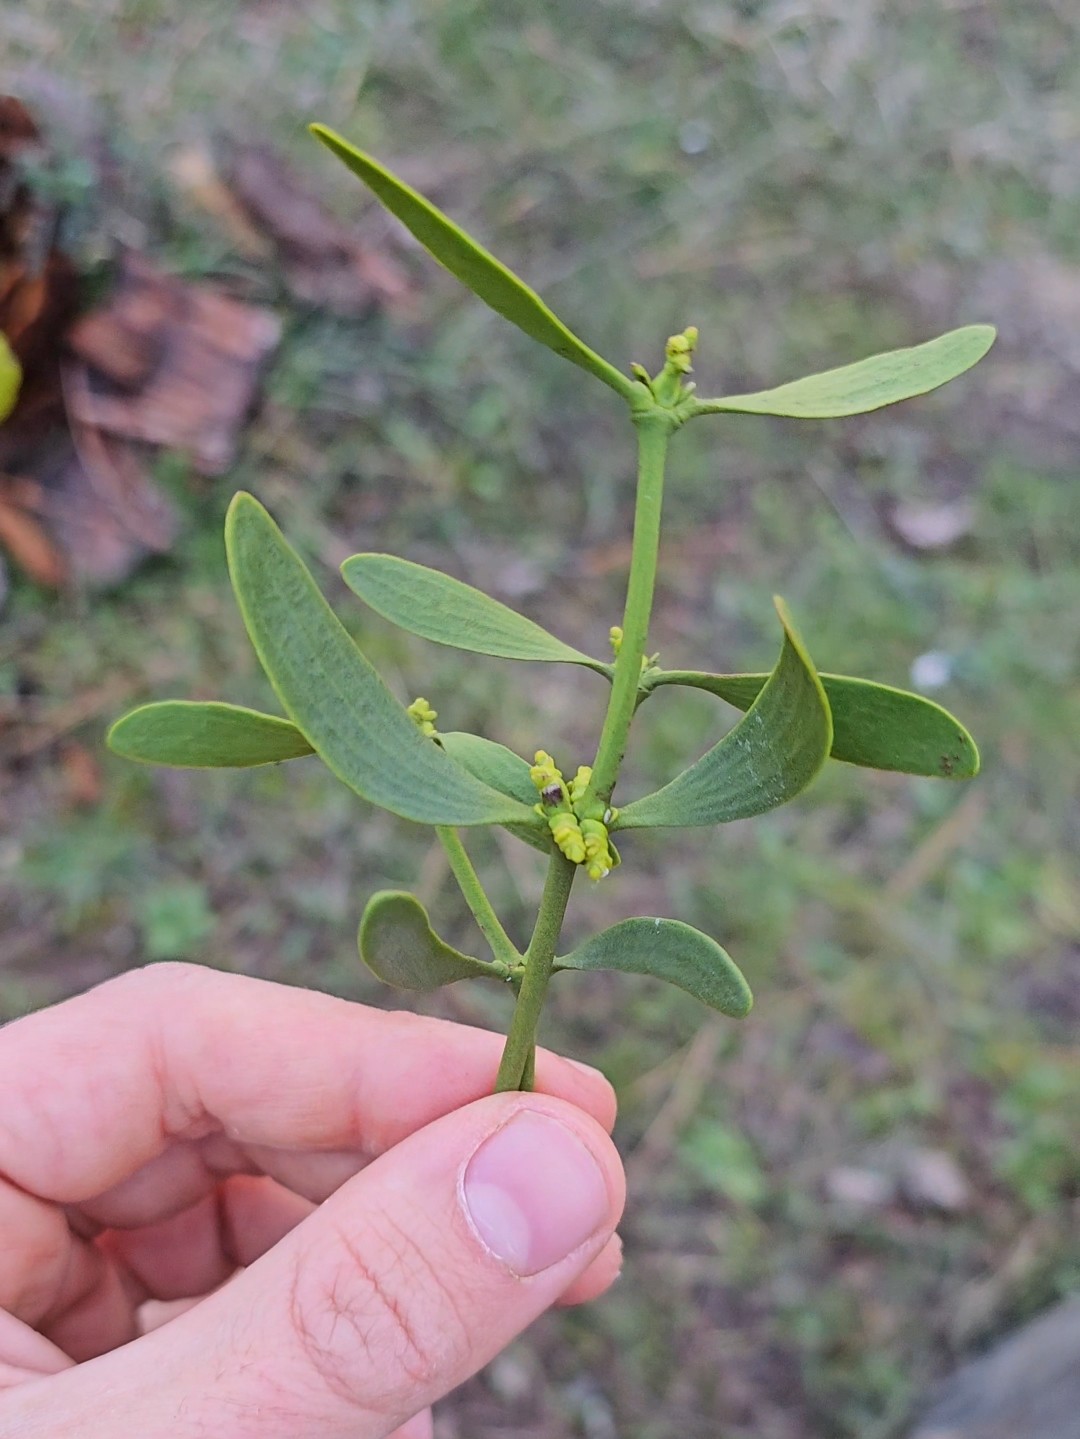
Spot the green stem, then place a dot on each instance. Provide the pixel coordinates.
(515, 1071)
(654, 429)
(488, 922)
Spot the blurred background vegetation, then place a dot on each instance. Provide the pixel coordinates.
(877, 1171)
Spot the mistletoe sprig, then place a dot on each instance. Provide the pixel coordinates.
(338, 706)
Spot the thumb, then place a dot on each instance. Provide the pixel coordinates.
(403, 1283)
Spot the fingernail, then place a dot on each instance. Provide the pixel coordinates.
(533, 1193)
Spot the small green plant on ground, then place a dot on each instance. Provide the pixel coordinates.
(394, 756)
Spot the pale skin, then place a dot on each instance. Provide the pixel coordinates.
(230, 1208)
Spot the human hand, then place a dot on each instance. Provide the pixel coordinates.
(388, 1227)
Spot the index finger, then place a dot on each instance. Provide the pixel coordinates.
(102, 1084)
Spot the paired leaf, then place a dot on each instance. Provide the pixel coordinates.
(428, 603)
(335, 697)
(398, 944)
(503, 770)
(868, 384)
(770, 756)
(670, 950)
(476, 268)
(190, 735)
(10, 379)
(873, 725)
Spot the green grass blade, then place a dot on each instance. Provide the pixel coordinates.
(868, 384)
(476, 268)
(190, 735)
(672, 951)
(398, 944)
(428, 603)
(771, 755)
(10, 379)
(335, 697)
(874, 725)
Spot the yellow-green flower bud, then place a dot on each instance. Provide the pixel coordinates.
(547, 778)
(580, 783)
(566, 833)
(679, 348)
(600, 856)
(615, 636)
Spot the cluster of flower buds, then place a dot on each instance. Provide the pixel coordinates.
(615, 635)
(423, 716)
(680, 348)
(583, 840)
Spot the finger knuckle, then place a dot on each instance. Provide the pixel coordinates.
(385, 1292)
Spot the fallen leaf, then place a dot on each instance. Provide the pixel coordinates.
(931, 526)
(858, 1188)
(82, 774)
(324, 262)
(194, 173)
(25, 539)
(18, 130)
(198, 397)
(932, 1179)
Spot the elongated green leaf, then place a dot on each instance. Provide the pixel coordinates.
(191, 735)
(476, 268)
(670, 950)
(398, 944)
(868, 384)
(503, 770)
(496, 765)
(873, 725)
(10, 379)
(770, 756)
(335, 697)
(428, 603)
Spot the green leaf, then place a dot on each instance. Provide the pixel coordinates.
(190, 735)
(335, 697)
(428, 603)
(770, 756)
(476, 268)
(503, 770)
(868, 384)
(496, 765)
(10, 379)
(670, 950)
(398, 944)
(873, 725)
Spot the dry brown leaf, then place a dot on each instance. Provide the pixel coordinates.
(199, 395)
(24, 538)
(82, 774)
(194, 173)
(324, 262)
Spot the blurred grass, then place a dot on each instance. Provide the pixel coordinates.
(784, 177)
